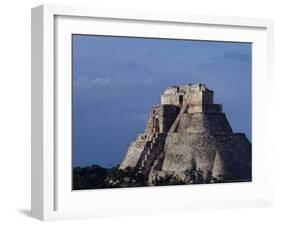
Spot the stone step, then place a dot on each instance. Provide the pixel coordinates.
(145, 157)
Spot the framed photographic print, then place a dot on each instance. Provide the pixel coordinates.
(137, 112)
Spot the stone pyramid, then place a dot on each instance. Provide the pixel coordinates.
(188, 131)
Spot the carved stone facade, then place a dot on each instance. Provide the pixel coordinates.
(188, 131)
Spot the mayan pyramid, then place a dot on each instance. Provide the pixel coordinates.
(188, 131)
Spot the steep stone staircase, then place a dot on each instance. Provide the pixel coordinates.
(151, 151)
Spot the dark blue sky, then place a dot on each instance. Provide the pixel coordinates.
(116, 80)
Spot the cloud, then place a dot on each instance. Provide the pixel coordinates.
(86, 83)
(100, 81)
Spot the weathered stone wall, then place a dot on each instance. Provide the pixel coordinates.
(135, 150)
(199, 97)
(218, 155)
(173, 99)
(161, 118)
(207, 97)
(204, 123)
(207, 108)
(189, 94)
(193, 97)
(168, 116)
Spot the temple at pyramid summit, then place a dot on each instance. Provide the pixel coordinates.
(188, 131)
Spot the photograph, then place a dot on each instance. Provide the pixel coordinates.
(160, 111)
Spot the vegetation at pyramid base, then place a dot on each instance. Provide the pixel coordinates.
(95, 177)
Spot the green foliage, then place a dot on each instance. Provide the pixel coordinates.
(92, 177)
(124, 178)
(194, 176)
(88, 177)
(168, 180)
(95, 176)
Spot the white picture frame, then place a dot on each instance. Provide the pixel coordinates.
(52, 197)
